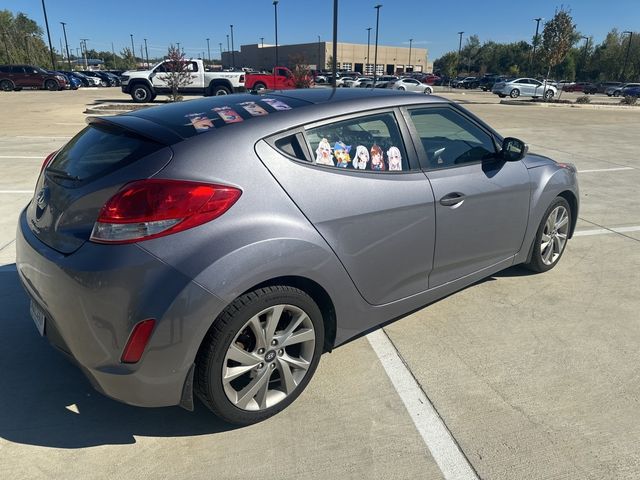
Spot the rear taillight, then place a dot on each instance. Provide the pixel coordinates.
(153, 208)
(137, 342)
(47, 160)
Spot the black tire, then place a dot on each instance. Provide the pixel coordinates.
(515, 93)
(536, 263)
(501, 95)
(140, 93)
(616, 93)
(401, 88)
(548, 95)
(220, 90)
(428, 91)
(51, 85)
(259, 86)
(208, 384)
(7, 85)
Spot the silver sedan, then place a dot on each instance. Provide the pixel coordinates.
(524, 87)
(412, 85)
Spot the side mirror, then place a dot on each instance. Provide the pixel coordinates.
(513, 149)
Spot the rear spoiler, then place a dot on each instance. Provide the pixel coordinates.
(140, 126)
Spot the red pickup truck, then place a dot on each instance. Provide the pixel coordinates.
(280, 79)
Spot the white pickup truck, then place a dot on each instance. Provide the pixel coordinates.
(145, 85)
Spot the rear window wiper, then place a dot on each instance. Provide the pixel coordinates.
(62, 174)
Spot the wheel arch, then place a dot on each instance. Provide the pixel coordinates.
(319, 295)
(220, 82)
(572, 200)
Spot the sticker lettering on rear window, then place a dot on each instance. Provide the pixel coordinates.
(276, 104)
(228, 114)
(200, 121)
(254, 109)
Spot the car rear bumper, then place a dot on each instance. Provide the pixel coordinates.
(93, 298)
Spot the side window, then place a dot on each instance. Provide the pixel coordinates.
(450, 139)
(370, 143)
(161, 68)
(192, 67)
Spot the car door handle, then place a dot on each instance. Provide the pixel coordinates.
(452, 199)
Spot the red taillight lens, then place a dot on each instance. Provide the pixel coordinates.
(137, 341)
(153, 208)
(48, 160)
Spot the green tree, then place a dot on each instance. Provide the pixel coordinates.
(178, 74)
(447, 64)
(558, 36)
(22, 41)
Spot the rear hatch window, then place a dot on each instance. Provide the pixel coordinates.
(98, 150)
(84, 174)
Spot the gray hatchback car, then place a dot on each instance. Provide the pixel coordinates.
(220, 246)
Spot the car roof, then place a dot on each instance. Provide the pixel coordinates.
(178, 117)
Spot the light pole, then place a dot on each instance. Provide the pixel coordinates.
(84, 45)
(220, 45)
(262, 42)
(275, 13)
(318, 62)
(459, 50)
(233, 55)
(626, 57)
(368, 45)
(584, 57)
(208, 52)
(46, 22)
(66, 44)
(146, 51)
(375, 55)
(133, 49)
(535, 42)
(409, 64)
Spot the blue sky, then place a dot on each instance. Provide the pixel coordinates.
(432, 24)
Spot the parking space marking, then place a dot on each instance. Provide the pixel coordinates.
(7, 244)
(605, 231)
(19, 156)
(445, 451)
(606, 169)
(16, 191)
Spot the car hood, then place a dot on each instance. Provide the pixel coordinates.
(531, 160)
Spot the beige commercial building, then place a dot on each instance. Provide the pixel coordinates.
(318, 55)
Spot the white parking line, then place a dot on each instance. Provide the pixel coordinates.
(606, 231)
(444, 449)
(20, 156)
(617, 169)
(16, 191)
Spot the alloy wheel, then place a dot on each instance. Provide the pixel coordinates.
(554, 235)
(268, 358)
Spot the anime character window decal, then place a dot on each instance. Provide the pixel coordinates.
(395, 159)
(200, 121)
(276, 104)
(361, 158)
(323, 153)
(228, 114)
(254, 109)
(377, 158)
(341, 152)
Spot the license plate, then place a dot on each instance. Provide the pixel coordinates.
(38, 316)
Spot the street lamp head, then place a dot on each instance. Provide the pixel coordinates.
(275, 2)
(460, 33)
(378, 6)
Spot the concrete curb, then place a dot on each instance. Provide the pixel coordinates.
(570, 105)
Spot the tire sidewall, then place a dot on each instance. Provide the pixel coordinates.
(536, 262)
(9, 83)
(257, 303)
(147, 94)
(515, 93)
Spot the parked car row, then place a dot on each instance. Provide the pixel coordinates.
(16, 77)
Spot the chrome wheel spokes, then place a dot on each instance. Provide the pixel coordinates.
(554, 235)
(269, 357)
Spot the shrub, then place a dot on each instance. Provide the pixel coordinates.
(629, 100)
(584, 99)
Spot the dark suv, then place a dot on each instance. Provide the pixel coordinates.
(19, 76)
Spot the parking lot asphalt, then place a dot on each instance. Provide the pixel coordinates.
(534, 376)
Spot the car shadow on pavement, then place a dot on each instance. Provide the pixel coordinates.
(47, 401)
(99, 101)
